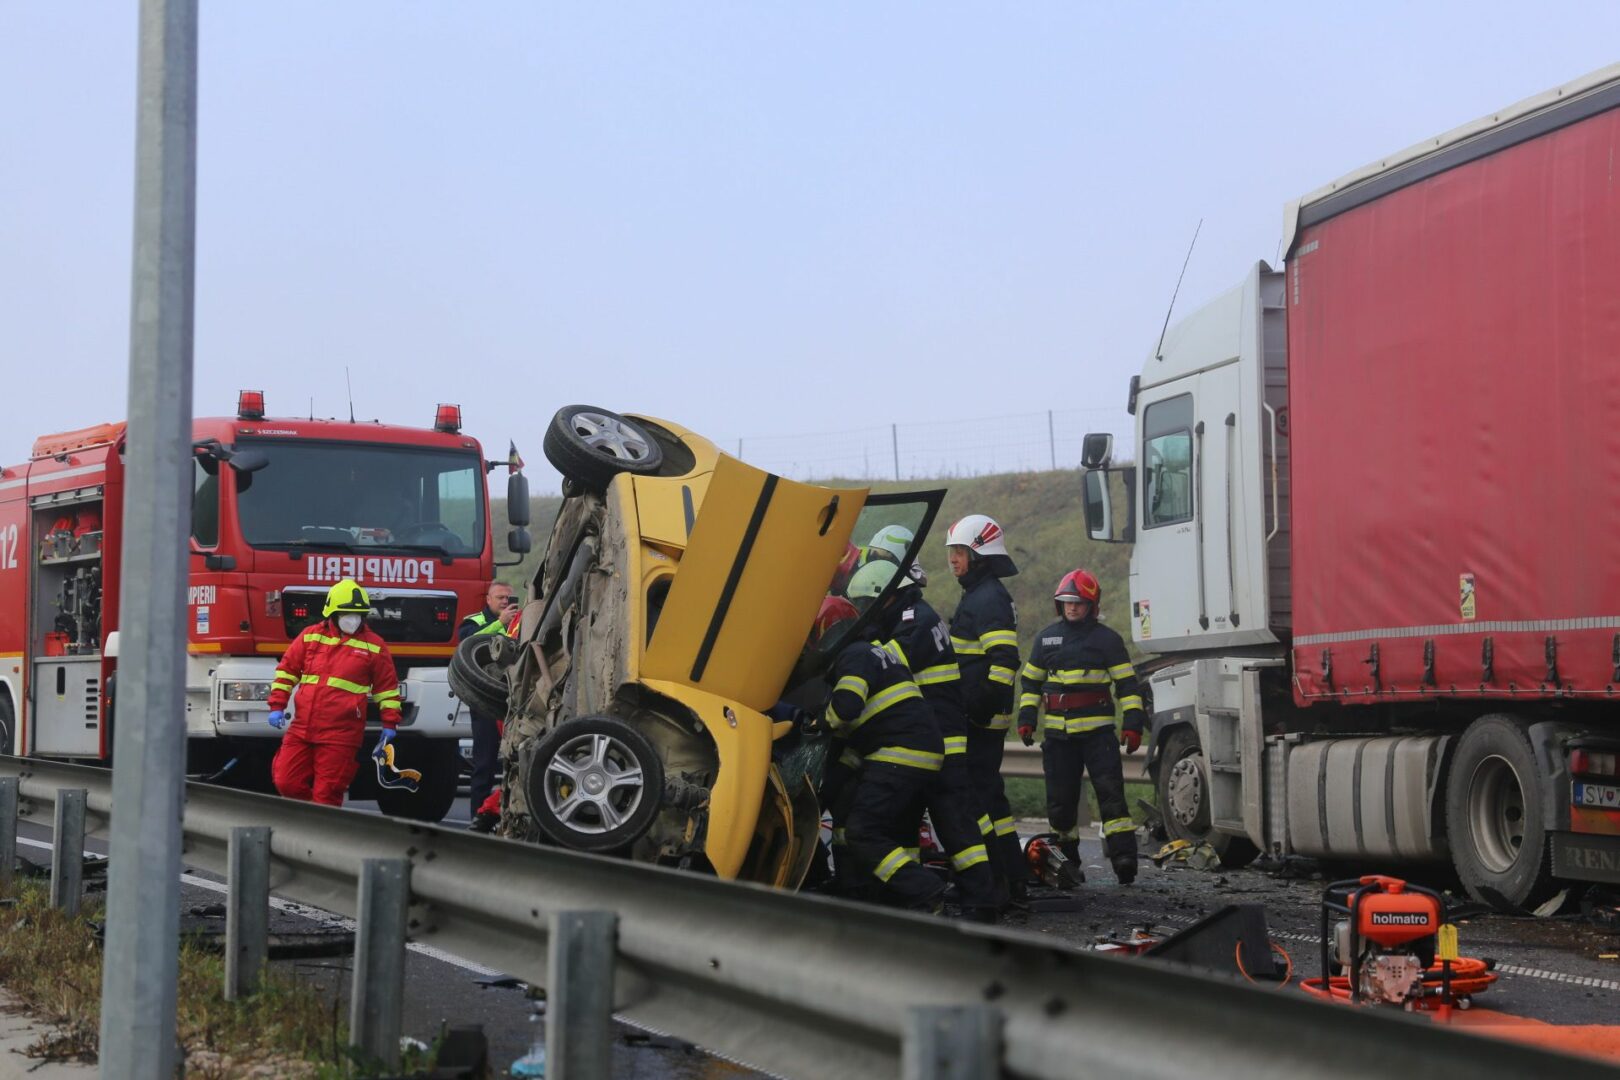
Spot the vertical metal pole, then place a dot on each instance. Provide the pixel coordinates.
(579, 995)
(67, 850)
(1051, 438)
(143, 887)
(739, 449)
(894, 439)
(8, 831)
(247, 910)
(376, 1002)
(951, 1042)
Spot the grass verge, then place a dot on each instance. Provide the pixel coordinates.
(51, 965)
(1027, 796)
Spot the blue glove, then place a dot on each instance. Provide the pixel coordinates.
(386, 737)
(277, 718)
(782, 710)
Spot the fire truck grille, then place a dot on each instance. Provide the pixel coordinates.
(396, 616)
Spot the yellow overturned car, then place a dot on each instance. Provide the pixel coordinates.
(683, 593)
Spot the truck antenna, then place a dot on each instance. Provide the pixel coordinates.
(350, 385)
(1159, 352)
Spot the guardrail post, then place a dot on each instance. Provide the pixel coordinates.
(67, 850)
(8, 831)
(379, 958)
(579, 995)
(247, 909)
(951, 1042)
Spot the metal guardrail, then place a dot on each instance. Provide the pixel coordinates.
(1025, 762)
(800, 985)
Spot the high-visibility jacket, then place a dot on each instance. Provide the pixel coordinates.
(335, 675)
(483, 622)
(1075, 674)
(984, 634)
(877, 708)
(919, 639)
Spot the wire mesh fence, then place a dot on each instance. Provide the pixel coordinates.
(1018, 442)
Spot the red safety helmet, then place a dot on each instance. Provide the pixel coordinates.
(1078, 585)
(846, 567)
(835, 614)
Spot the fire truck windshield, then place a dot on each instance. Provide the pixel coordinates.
(355, 496)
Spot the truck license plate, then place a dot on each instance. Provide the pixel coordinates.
(1604, 795)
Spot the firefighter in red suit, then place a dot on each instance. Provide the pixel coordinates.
(337, 667)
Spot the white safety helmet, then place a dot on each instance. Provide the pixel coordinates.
(869, 581)
(979, 534)
(894, 539)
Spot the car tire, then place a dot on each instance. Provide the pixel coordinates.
(579, 789)
(1183, 791)
(477, 672)
(590, 446)
(1494, 818)
(439, 762)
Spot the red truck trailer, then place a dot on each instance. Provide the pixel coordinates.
(1374, 509)
(282, 509)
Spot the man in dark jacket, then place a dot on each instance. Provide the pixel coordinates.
(1077, 671)
(984, 635)
(499, 613)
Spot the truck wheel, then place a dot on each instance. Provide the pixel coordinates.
(590, 446)
(594, 784)
(1494, 820)
(1183, 790)
(477, 672)
(439, 761)
(8, 724)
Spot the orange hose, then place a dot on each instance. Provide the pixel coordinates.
(1288, 973)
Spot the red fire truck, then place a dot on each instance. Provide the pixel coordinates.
(282, 508)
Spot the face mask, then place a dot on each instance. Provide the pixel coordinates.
(349, 623)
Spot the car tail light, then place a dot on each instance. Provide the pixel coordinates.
(250, 405)
(447, 419)
(1594, 763)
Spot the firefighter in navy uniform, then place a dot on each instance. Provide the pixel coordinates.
(1076, 673)
(984, 635)
(916, 636)
(877, 711)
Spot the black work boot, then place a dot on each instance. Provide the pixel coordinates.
(1124, 868)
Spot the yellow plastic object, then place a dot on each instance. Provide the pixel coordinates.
(1446, 945)
(742, 742)
(390, 776)
(754, 574)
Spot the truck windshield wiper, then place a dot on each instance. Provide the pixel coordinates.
(291, 545)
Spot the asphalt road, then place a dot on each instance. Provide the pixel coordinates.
(1551, 969)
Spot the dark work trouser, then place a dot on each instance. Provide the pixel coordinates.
(1066, 759)
(985, 749)
(881, 830)
(838, 795)
(949, 799)
(486, 755)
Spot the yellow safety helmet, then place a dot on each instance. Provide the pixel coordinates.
(346, 595)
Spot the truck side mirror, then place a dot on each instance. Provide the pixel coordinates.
(1098, 503)
(1097, 450)
(517, 500)
(248, 461)
(517, 541)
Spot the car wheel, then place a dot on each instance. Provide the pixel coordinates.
(1183, 790)
(439, 762)
(1494, 818)
(590, 446)
(594, 784)
(477, 672)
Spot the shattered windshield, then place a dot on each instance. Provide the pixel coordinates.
(363, 496)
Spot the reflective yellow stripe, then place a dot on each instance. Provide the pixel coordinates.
(1075, 725)
(1030, 671)
(1069, 834)
(955, 744)
(368, 646)
(914, 759)
(309, 678)
(1005, 827)
(1029, 701)
(894, 649)
(1130, 701)
(914, 854)
(386, 695)
(1080, 677)
(986, 826)
(997, 723)
(891, 864)
(991, 639)
(345, 684)
(970, 857)
(1002, 675)
(966, 646)
(1122, 671)
(1118, 825)
(854, 684)
(838, 837)
(900, 691)
(850, 759)
(939, 673)
(321, 639)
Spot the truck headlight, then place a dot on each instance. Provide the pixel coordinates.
(244, 691)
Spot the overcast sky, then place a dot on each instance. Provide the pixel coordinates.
(755, 219)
